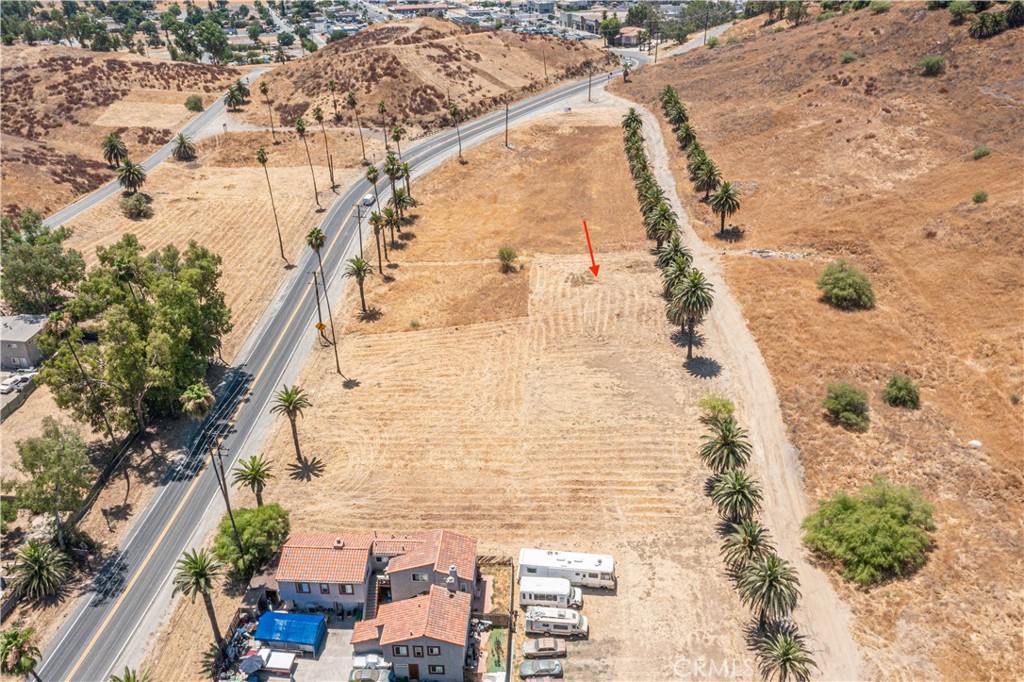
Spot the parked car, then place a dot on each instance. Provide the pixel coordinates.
(377, 675)
(15, 383)
(545, 647)
(540, 668)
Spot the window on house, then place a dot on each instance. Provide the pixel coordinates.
(325, 588)
(302, 588)
(531, 571)
(433, 651)
(348, 589)
(400, 650)
(419, 577)
(417, 652)
(436, 669)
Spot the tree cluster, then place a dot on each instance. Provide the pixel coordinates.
(158, 319)
(262, 531)
(39, 273)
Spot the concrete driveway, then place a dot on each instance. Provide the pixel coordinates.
(335, 662)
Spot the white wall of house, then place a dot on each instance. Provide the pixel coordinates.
(416, 656)
(326, 595)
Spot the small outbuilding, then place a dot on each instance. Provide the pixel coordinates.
(305, 632)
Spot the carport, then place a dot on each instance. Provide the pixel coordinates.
(303, 632)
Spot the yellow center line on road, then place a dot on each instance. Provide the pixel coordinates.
(195, 481)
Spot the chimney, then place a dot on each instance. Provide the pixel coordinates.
(339, 543)
(450, 583)
(453, 571)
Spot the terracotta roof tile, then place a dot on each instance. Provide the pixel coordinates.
(440, 549)
(440, 615)
(315, 558)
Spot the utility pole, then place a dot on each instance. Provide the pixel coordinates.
(218, 472)
(330, 318)
(506, 126)
(544, 54)
(590, 84)
(320, 326)
(359, 226)
(707, 18)
(656, 42)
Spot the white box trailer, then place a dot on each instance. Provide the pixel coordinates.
(549, 592)
(581, 570)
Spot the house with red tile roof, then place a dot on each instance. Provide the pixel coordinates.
(435, 558)
(424, 637)
(326, 570)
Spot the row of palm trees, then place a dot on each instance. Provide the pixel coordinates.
(721, 195)
(689, 293)
(130, 175)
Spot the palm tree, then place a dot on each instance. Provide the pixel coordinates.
(376, 222)
(234, 98)
(61, 325)
(39, 570)
(198, 571)
(686, 135)
(675, 272)
(770, 587)
(253, 473)
(184, 148)
(114, 150)
(382, 109)
(392, 169)
(626, 68)
(261, 156)
(661, 223)
(318, 116)
(300, 130)
(391, 221)
(131, 176)
(677, 114)
(350, 102)
(632, 121)
(18, 653)
(737, 495)
(396, 135)
(725, 202)
(782, 655)
(726, 447)
(332, 87)
(691, 301)
(402, 202)
(131, 675)
(359, 269)
(291, 401)
(242, 89)
(453, 110)
(197, 400)
(746, 541)
(372, 176)
(407, 176)
(672, 250)
(708, 178)
(695, 159)
(265, 91)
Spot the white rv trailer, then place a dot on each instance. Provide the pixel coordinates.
(581, 570)
(543, 620)
(549, 592)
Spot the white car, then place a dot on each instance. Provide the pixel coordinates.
(15, 383)
(369, 199)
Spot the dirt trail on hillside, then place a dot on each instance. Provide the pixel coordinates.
(825, 619)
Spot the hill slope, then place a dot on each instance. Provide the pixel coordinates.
(873, 162)
(59, 103)
(415, 66)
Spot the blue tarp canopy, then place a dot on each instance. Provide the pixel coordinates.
(297, 629)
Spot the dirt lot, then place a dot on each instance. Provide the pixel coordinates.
(60, 102)
(872, 162)
(418, 66)
(559, 417)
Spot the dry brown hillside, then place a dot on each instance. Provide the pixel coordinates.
(874, 162)
(415, 66)
(60, 102)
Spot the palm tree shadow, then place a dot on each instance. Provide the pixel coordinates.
(681, 339)
(703, 368)
(349, 384)
(407, 236)
(709, 485)
(306, 469)
(371, 315)
(733, 234)
(290, 266)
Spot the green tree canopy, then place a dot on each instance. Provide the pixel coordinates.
(38, 272)
(262, 531)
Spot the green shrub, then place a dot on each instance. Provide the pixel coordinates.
(980, 197)
(194, 103)
(712, 41)
(901, 392)
(1015, 398)
(262, 531)
(880, 532)
(8, 513)
(415, 324)
(136, 207)
(848, 57)
(932, 65)
(846, 287)
(714, 406)
(826, 15)
(961, 9)
(780, 29)
(981, 152)
(732, 40)
(847, 405)
(879, 6)
(507, 256)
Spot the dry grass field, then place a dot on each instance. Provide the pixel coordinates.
(554, 411)
(418, 66)
(873, 162)
(60, 102)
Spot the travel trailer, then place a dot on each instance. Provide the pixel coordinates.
(581, 570)
(544, 620)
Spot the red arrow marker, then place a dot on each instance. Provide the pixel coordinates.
(594, 267)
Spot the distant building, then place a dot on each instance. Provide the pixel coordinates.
(629, 36)
(540, 6)
(433, 9)
(18, 334)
